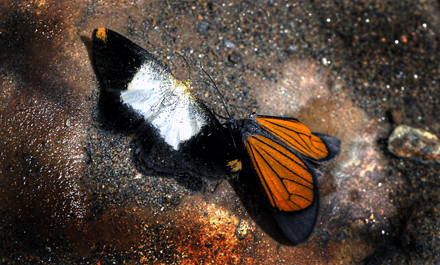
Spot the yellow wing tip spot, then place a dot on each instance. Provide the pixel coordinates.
(235, 165)
(101, 34)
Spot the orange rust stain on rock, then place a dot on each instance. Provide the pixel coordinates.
(195, 232)
(210, 236)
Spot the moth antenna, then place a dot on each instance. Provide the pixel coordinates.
(186, 62)
(220, 116)
(218, 91)
(224, 104)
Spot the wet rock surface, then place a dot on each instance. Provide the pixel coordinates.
(72, 189)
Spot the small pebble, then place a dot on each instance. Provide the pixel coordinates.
(408, 142)
(229, 44)
(241, 229)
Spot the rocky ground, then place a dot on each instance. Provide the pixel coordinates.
(73, 190)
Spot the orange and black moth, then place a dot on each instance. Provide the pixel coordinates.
(177, 133)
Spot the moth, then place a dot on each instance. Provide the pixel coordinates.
(177, 133)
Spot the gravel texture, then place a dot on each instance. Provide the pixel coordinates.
(73, 191)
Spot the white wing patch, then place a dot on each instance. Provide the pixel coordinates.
(166, 103)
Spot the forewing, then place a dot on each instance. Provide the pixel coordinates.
(175, 131)
(286, 179)
(146, 88)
